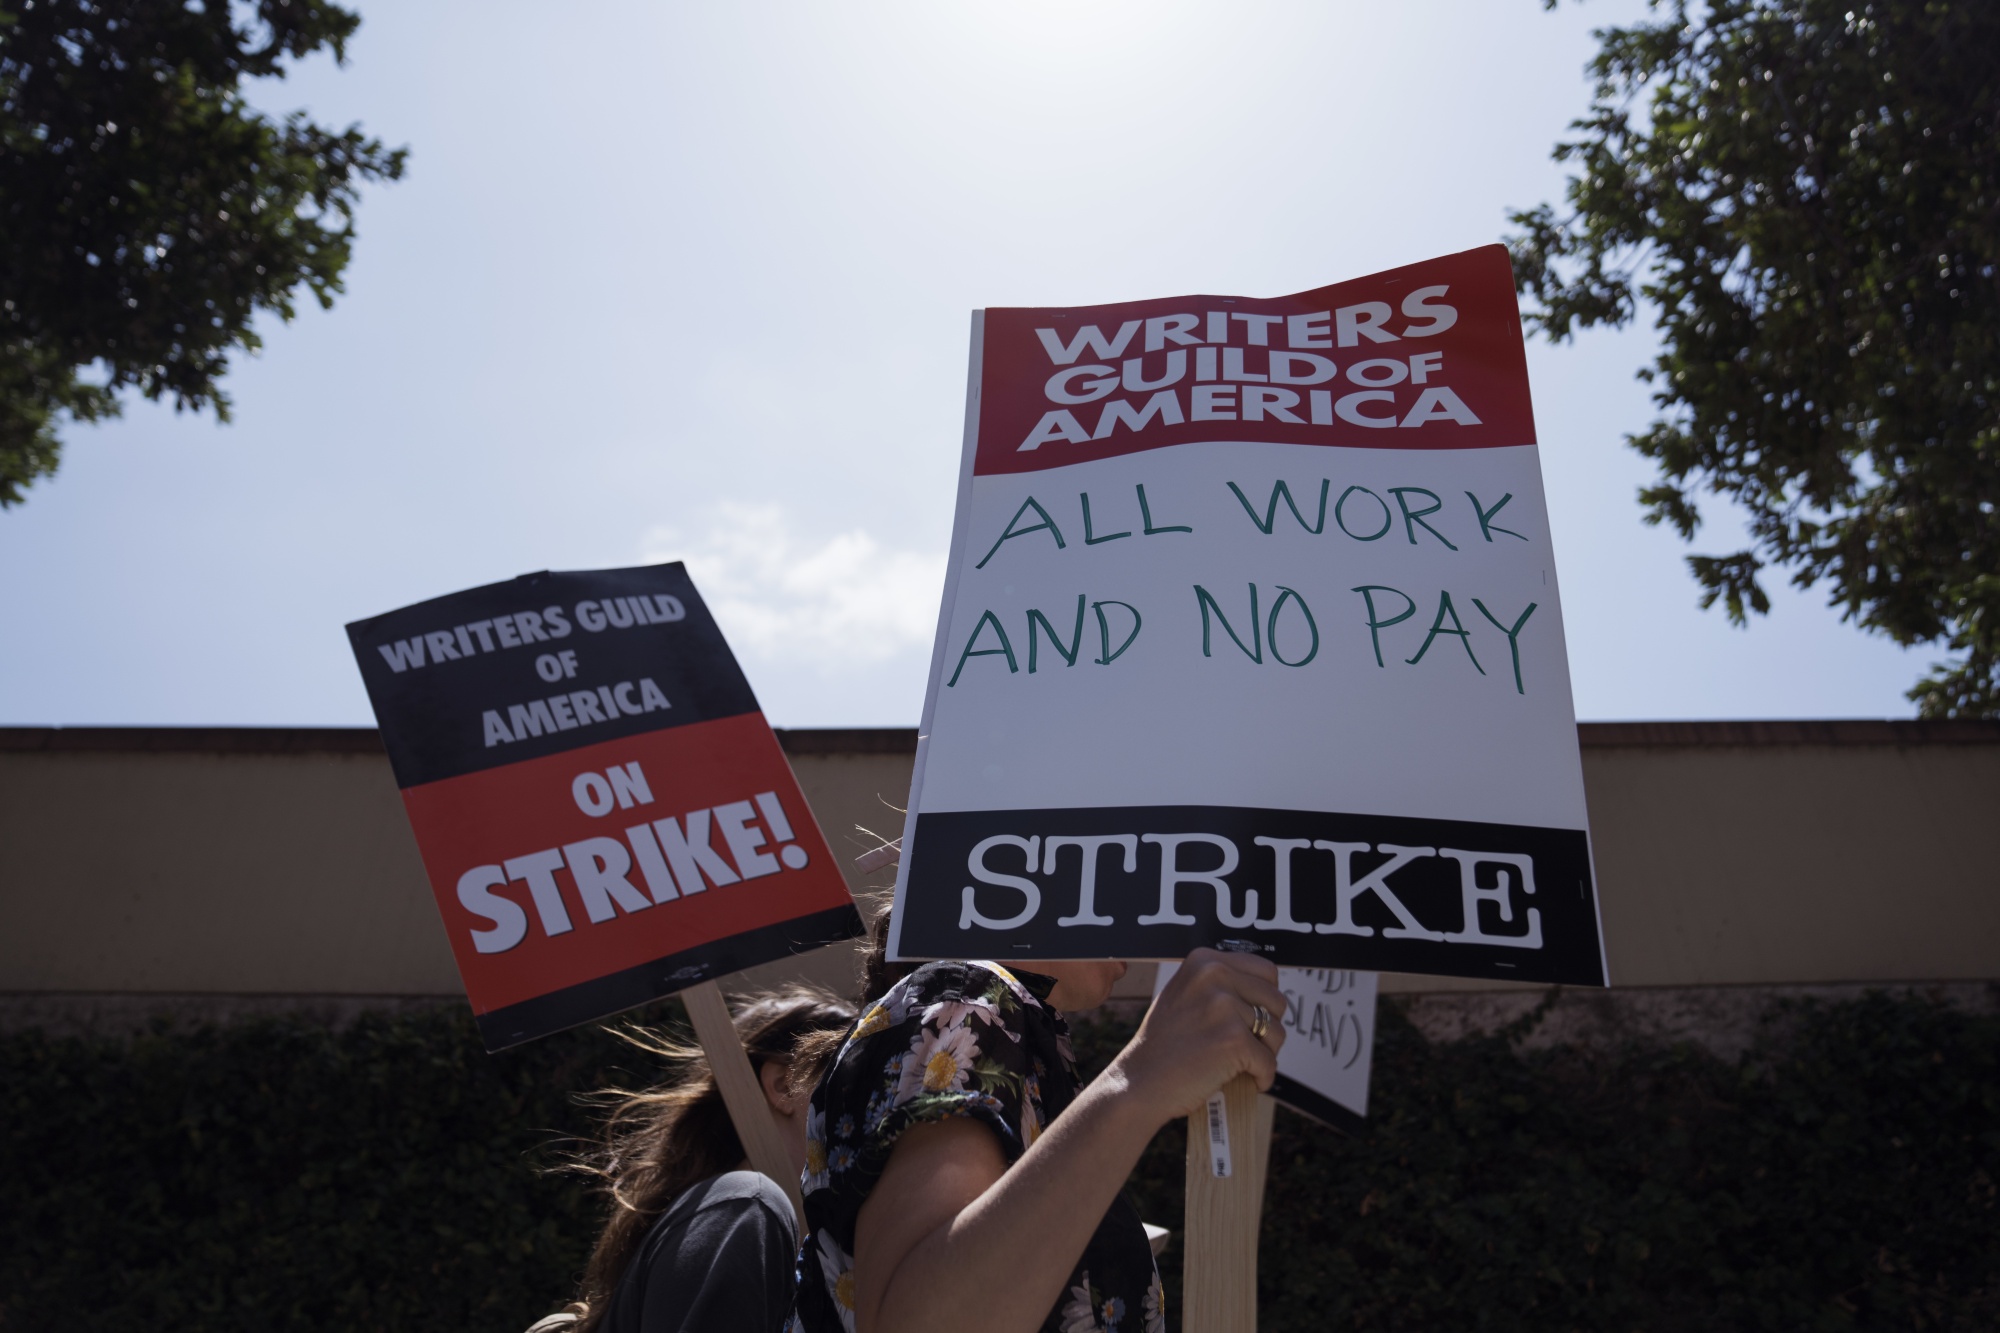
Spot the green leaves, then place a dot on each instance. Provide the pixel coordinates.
(1643, 1189)
(147, 213)
(1807, 192)
(289, 1178)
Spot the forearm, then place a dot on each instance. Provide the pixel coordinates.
(1016, 1243)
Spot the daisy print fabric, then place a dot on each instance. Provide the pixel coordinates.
(955, 1039)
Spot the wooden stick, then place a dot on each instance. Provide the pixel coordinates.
(741, 1091)
(1260, 1149)
(1219, 1287)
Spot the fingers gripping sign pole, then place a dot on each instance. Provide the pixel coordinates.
(741, 1091)
(1229, 1144)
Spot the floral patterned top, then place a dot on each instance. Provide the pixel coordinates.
(955, 1039)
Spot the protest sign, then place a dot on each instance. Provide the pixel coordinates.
(605, 815)
(1329, 1023)
(1251, 634)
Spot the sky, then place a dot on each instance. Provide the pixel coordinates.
(694, 282)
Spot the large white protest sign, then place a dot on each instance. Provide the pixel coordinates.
(1251, 633)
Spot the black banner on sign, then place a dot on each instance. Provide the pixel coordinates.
(541, 664)
(635, 986)
(1305, 889)
(1324, 1109)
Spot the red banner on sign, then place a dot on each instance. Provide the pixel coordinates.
(556, 871)
(1429, 356)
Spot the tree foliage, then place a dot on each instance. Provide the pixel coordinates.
(148, 213)
(1808, 194)
(283, 1177)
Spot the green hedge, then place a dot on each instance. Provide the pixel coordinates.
(279, 1176)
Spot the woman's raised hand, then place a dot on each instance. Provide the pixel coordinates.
(1202, 1031)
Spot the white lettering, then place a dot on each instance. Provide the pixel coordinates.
(1214, 402)
(1348, 407)
(735, 822)
(659, 880)
(975, 865)
(692, 856)
(1135, 380)
(1059, 390)
(1281, 884)
(1319, 369)
(496, 730)
(1352, 323)
(1163, 329)
(1417, 306)
(1468, 863)
(592, 795)
(1308, 330)
(1258, 327)
(628, 784)
(532, 719)
(599, 866)
(1232, 367)
(537, 869)
(1173, 874)
(1118, 412)
(586, 702)
(475, 895)
(402, 654)
(1378, 373)
(1088, 336)
(1258, 400)
(1060, 424)
(1439, 404)
(1086, 893)
(1376, 881)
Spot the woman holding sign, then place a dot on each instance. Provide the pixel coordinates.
(957, 1175)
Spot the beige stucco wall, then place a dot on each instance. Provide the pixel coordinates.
(1723, 865)
(281, 863)
(186, 871)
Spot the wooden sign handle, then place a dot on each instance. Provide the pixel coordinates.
(741, 1091)
(1219, 1283)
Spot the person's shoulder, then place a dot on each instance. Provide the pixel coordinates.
(734, 1189)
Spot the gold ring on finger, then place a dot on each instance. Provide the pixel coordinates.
(1260, 1021)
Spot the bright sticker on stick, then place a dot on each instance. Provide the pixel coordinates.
(1218, 1136)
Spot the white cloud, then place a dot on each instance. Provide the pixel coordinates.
(843, 601)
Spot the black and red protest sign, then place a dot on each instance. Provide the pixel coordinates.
(605, 815)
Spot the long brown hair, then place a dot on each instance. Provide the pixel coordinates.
(875, 974)
(657, 1142)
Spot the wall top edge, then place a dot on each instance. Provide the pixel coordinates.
(365, 740)
(903, 740)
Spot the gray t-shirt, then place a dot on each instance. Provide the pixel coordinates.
(719, 1260)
